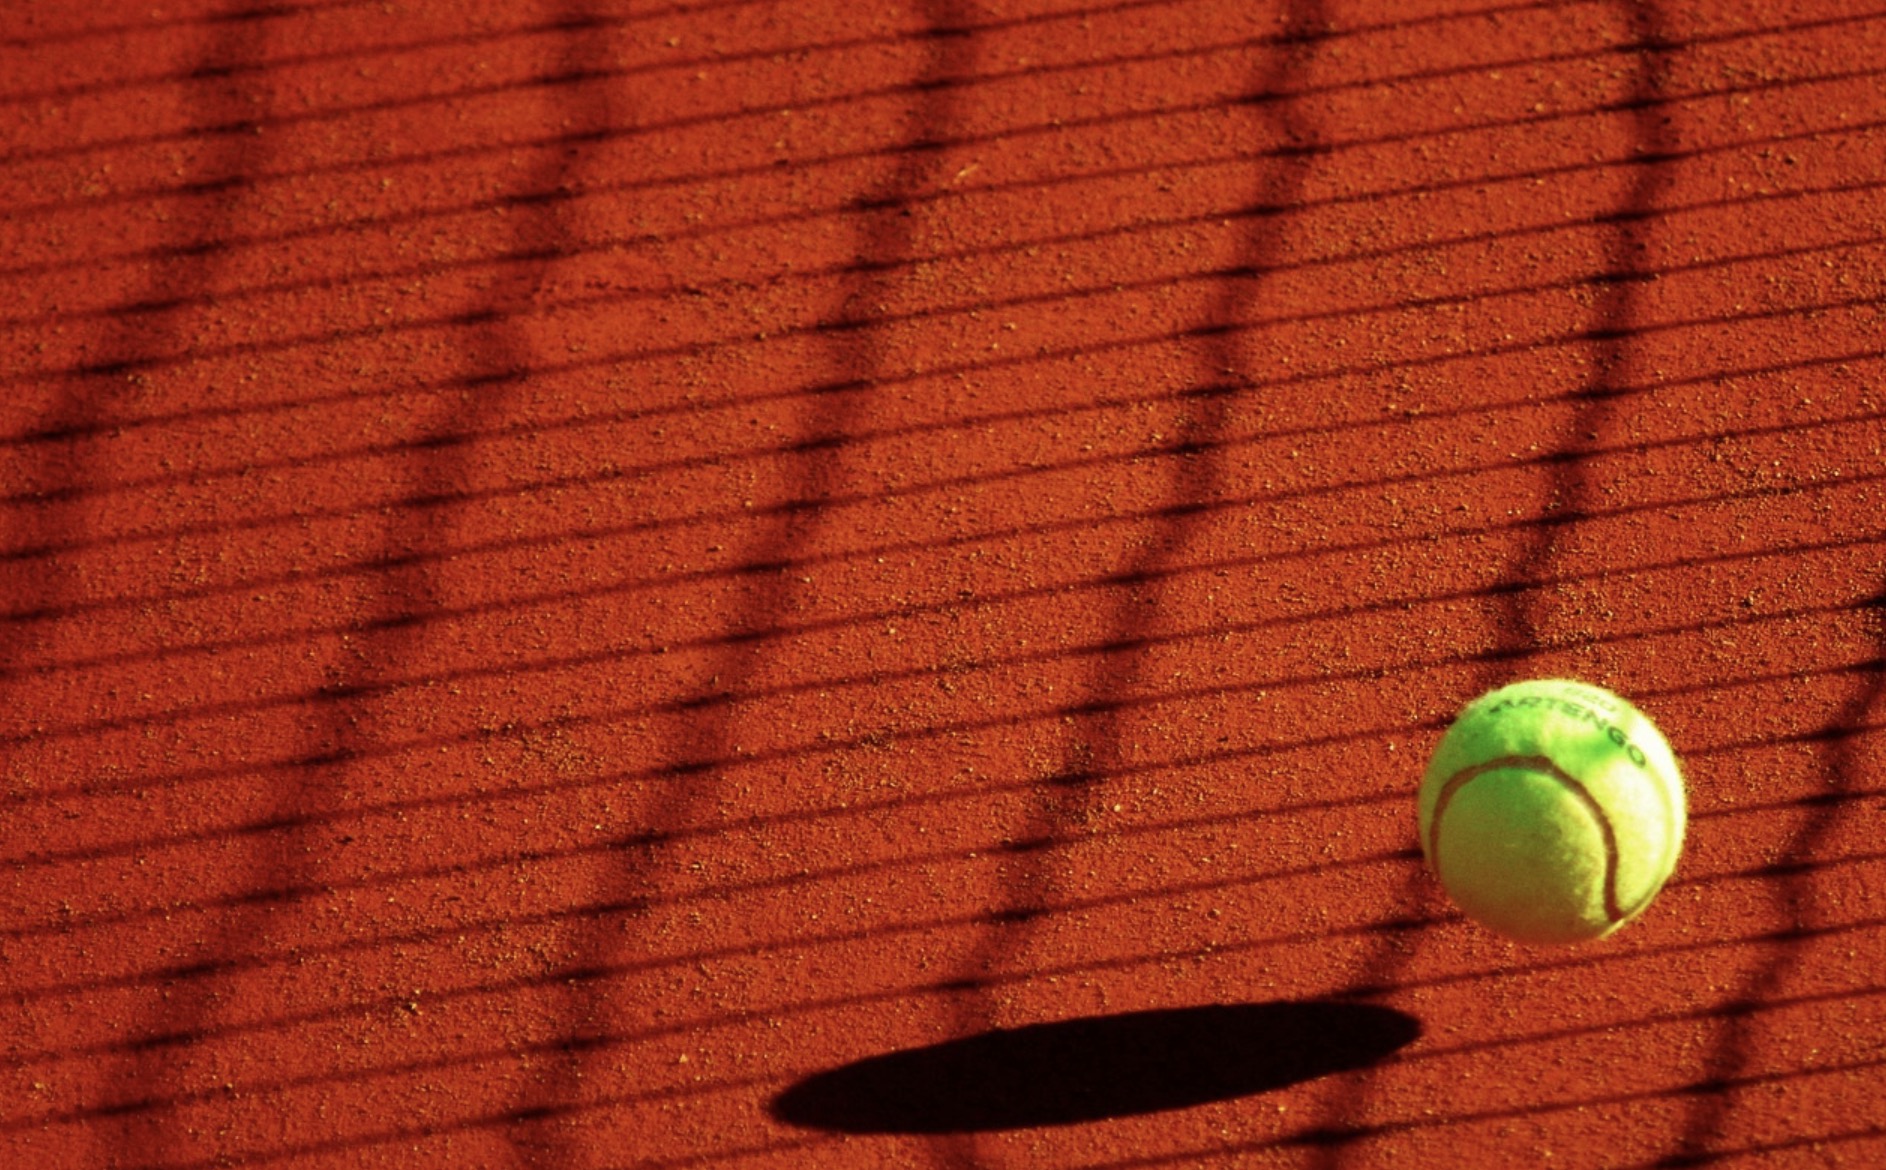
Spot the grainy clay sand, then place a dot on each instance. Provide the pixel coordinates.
(831, 585)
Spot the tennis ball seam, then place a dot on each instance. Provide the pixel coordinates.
(1544, 766)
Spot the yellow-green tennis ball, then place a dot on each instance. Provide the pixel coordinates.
(1552, 811)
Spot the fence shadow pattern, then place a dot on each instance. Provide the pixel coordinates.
(766, 585)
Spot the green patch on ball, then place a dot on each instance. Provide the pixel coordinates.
(1552, 811)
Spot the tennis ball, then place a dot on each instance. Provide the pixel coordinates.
(1552, 811)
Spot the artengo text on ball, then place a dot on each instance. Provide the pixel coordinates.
(1577, 711)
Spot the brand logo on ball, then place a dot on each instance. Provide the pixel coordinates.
(1611, 730)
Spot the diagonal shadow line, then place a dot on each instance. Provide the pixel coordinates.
(201, 22)
(1817, 1142)
(618, 73)
(1197, 480)
(585, 49)
(1570, 493)
(402, 593)
(1236, 757)
(1344, 1135)
(802, 1151)
(698, 347)
(762, 111)
(408, 1068)
(1241, 756)
(1714, 1092)
(620, 20)
(50, 612)
(502, 260)
(945, 988)
(913, 546)
(1427, 1052)
(1220, 757)
(864, 810)
(508, 544)
(463, 928)
(1362, 674)
(1210, 1155)
(595, 22)
(962, 602)
(503, 356)
(212, 99)
(721, 890)
(951, 192)
(1058, 710)
(1628, 161)
(564, 141)
(359, 55)
(1571, 499)
(1545, 526)
(518, 603)
(1171, 281)
(696, 744)
(792, 942)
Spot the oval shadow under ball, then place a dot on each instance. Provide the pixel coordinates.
(1096, 1067)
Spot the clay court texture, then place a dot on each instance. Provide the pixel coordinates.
(806, 584)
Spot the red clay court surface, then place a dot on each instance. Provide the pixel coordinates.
(848, 585)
